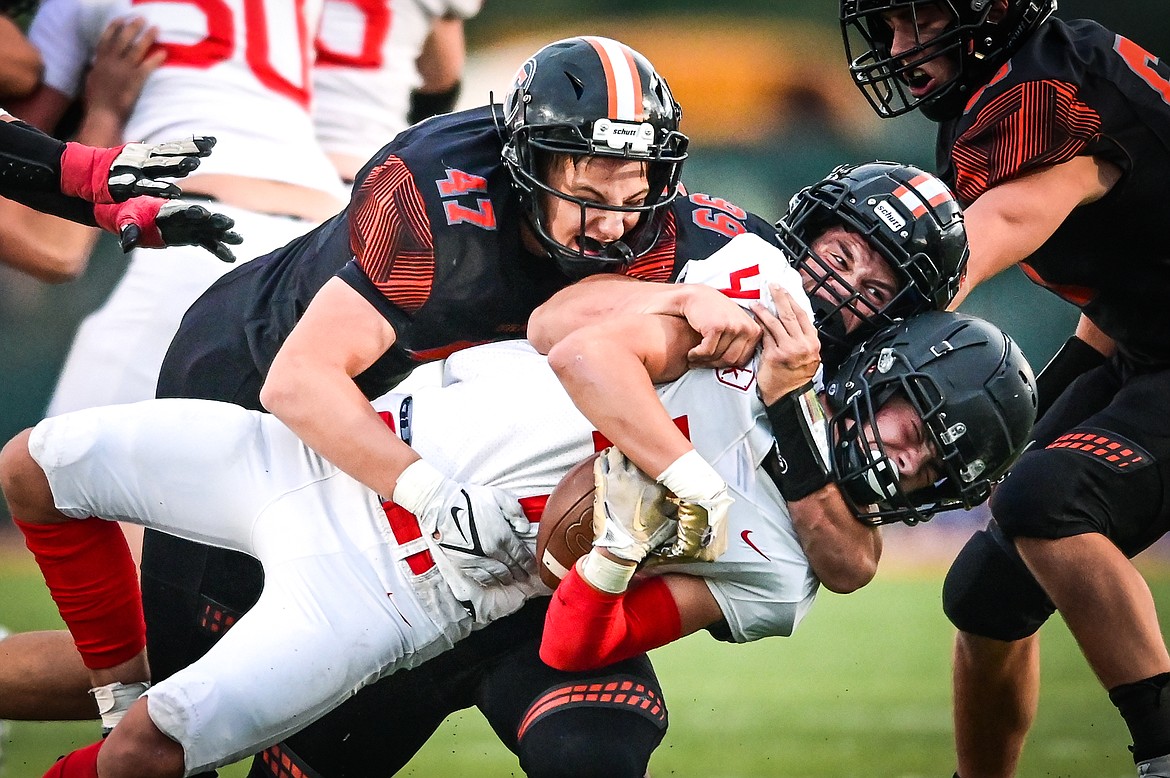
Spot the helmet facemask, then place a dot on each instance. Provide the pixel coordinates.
(535, 150)
(884, 79)
(974, 42)
(922, 243)
(868, 476)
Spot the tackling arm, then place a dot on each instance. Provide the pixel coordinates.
(842, 551)
(1007, 223)
(728, 335)
(310, 387)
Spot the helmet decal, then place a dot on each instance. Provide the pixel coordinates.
(621, 78)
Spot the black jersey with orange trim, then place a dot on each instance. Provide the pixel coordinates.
(1076, 88)
(431, 238)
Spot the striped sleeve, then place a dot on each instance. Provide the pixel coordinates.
(1029, 126)
(658, 263)
(390, 235)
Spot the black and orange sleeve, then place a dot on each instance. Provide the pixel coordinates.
(390, 237)
(1028, 126)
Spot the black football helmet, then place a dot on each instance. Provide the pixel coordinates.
(907, 215)
(977, 44)
(593, 96)
(972, 388)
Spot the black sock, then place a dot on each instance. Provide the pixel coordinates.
(1145, 706)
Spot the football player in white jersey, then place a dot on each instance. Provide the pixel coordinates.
(46, 178)
(381, 66)
(237, 70)
(353, 590)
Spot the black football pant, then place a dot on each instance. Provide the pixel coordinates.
(1100, 463)
(603, 723)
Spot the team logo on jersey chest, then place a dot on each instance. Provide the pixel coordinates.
(740, 378)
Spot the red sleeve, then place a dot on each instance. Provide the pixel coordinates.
(390, 235)
(586, 629)
(1030, 125)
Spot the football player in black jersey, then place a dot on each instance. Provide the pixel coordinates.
(1055, 136)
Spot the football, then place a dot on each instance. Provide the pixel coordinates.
(566, 526)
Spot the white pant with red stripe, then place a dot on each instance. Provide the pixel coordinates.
(340, 607)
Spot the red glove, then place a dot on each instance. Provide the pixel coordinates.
(151, 222)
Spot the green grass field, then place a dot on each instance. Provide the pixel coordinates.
(860, 690)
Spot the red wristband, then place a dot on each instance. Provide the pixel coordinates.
(139, 211)
(85, 171)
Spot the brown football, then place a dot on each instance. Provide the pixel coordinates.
(566, 526)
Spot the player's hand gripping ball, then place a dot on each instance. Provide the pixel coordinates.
(566, 526)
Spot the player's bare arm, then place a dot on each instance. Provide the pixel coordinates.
(1010, 221)
(842, 551)
(728, 334)
(609, 369)
(310, 387)
(21, 67)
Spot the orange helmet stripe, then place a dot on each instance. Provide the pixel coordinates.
(621, 75)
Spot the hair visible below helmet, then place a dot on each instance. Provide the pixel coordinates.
(910, 217)
(596, 97)
(979, 40)
(967, 381)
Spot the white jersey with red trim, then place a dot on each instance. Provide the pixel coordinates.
(236, 69)
(502, 418)
(365, 68)
(343, 569)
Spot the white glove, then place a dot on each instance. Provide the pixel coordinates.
(137, 167)
(632, 514)
(703, 504)
(480, 529)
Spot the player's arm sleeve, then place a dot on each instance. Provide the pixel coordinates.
(1011, 136)
(586, 628)
(30, 173)
(390, 237)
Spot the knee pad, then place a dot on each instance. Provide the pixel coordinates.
(605, 728)
(989, 591)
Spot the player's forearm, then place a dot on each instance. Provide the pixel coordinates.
(603, 371)
(586, 302)
(842, 552)
(20, 67)
(586, 628)
(330, 415)
(47, 248)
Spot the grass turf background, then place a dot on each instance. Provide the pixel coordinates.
(861, 689)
